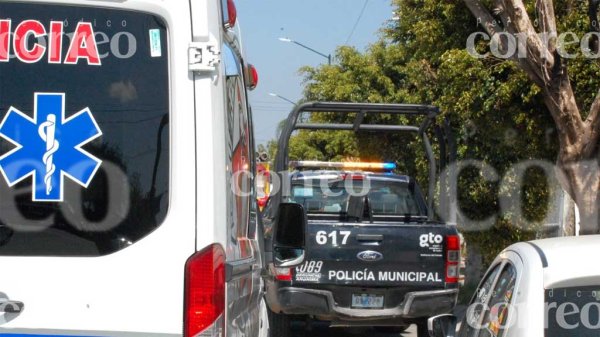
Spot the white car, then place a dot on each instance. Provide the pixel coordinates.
(543, 288)
(125, 132)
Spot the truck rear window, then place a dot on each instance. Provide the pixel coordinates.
(84, 133)
(384, 197)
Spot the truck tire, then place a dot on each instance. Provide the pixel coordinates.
(422, 330)
(279, 325)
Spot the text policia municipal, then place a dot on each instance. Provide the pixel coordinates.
(382, 276)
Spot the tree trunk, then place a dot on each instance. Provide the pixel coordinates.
(579, 173)
(583, 179)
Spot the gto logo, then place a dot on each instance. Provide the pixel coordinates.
(428, 239)
(369, 255)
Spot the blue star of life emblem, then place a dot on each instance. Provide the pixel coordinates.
(48, 147)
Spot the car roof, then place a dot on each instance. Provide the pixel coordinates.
(567, 261)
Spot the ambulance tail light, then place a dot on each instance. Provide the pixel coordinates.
(452, 258)
(204, 306)
(230, 14)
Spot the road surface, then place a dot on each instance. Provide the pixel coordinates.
(320, 330)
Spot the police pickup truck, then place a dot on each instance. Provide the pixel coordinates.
(371, 255)
(356, 245)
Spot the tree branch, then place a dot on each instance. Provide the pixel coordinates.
(532, 72)
(545, 10)
(592, 125)
(483, 16)
(542, 61)
(489, 23)
(594, 111)
(560, 100)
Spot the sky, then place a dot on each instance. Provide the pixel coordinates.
(322, 25)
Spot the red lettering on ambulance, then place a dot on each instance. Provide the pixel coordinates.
(83, 45)
(55, 42)
(22, 33)
(4, 40)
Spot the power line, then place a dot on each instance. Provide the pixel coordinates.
(362, 11)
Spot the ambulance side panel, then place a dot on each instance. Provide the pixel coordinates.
(226, 168)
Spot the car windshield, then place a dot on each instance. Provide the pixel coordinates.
(384, 196)
(573, 311)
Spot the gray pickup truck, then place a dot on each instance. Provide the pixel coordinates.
(369, 252)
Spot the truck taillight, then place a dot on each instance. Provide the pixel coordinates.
(452, 258)
(204, 306)
(282, 274)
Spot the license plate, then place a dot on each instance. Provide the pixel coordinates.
(367, 301)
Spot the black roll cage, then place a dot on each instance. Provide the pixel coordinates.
(443, 134)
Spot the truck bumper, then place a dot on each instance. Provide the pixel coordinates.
(321, 304)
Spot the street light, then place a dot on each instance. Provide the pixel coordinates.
(281, 97)
(285, 39)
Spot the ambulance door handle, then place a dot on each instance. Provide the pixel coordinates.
(11, 306)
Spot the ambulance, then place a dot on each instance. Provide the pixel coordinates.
(127, 205)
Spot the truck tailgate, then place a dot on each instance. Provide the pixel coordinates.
(379, 254)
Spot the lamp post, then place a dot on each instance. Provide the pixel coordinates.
(281, 97)
(328, 57)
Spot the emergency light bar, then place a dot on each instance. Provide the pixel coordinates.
(344, 165)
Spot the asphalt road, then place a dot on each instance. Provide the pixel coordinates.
(320, 330)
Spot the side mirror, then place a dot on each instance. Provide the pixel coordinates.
(289, 231)
(442, 326)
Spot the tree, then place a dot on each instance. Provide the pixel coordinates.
(546, 65)
(498, 115)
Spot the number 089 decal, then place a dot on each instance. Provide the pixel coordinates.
(310, 267)
(324, 238)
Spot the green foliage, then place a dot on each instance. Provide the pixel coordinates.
(497, 114)
(322, 145)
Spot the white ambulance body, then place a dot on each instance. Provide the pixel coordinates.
(125, 131)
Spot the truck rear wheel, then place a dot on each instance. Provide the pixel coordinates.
(422, 330)
(279, 325)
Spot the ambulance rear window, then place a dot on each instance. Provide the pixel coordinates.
(84, 129)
